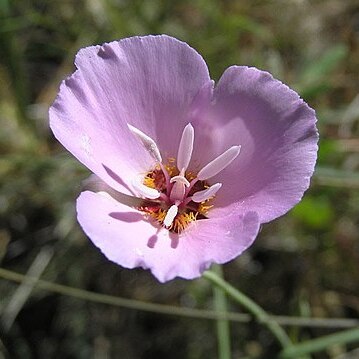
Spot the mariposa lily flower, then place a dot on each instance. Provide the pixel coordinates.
(185, 172)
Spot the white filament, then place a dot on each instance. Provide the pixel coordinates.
(148, 142)
(170, 216)
(145, 191)
(185, 148)
(219, 163)
(201, 196)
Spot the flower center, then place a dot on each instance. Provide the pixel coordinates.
(180, 196)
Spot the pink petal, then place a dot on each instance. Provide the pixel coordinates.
(149, 82)
(278, 138)
(126, 238)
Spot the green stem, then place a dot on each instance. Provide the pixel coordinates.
(118, 301)
(260, 315)
(319, 344)
(172, 310)
(223, 328)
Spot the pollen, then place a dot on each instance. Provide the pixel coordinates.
(190, 175)
(154, 212)
(149, 182)
(204, 207)
(171, 168)
(179, 224)
(155, 179)
(183, 220)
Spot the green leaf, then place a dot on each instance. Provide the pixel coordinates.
(325, 64)
(315, 212)
(315, 78)
(336, 178)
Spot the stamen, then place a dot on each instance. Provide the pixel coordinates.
(185, 148)
(145, 191)
(180, 196)
(148, 142)
(202, 196)
(219, 163)
(170, 216)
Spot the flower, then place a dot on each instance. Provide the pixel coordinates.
(185, 172)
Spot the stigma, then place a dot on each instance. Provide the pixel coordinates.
(179, 196)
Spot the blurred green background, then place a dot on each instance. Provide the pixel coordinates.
(304, 264)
